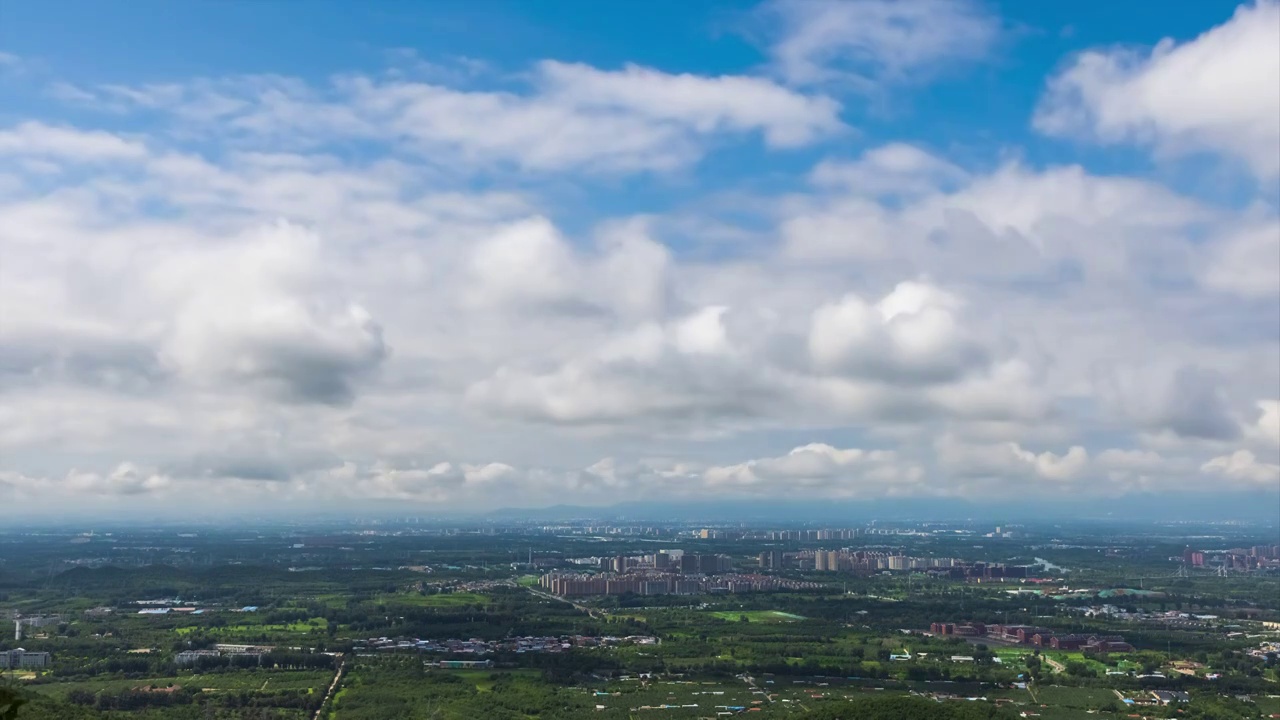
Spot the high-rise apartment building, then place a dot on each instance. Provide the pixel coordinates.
(771, 559)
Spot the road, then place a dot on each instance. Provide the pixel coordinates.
(751, 683)
(593, 612)
(1057, 666)
(333, 688)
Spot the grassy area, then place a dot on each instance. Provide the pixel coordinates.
(441, 600)
(331, 712)
(484, 680)
(1074, 697)
(628, 616)
(1066, 657)
(297, 628)
(1268, 704)
(252, 680)
(332, 600)
(768, 616)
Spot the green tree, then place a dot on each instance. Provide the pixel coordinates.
(9, 703)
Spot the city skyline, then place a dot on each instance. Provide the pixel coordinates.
(461, 259)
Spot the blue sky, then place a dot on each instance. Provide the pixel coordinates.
(976, 112)
(489, 253)
(976, 106)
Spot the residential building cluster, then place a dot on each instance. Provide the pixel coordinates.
(667, 561)
(1166, 618)
(815, 535)
(872, 561)
(1033, 635)
(867, 561)
(660, 583)
(983, 571)
(1154, 698)
(1258, 557)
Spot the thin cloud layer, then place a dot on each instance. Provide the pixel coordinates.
(867, 43)
(571, 117)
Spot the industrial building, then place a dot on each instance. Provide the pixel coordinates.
(20, 659)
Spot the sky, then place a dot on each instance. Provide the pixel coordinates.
(464, 256)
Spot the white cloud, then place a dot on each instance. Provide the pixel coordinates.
(126, 479)
(912, 334)
(569, 117)
(1266, 430)
(869, 42)
(1247, 262)
(579, 117)
(1187, 400)
(1243, 466)
(950, 221)
(1219, 92)
(686, 370)
(1011, 461)
(527, 263)
(893, 169)
(822, 468)
(442, 481)
(37, 139)
(705, 104)
(243, 313)
(275, 291)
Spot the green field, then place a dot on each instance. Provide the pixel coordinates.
(297, 628)
(484, 680)
(441, 600)
(769, 616)
(1074, 697)
(254, 680)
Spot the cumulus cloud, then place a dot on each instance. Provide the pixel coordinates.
(1011, 461)
(1266, 429)
(910, 207)
(685, 370)
(126, 479)
(1244, 466)
(911, 335)
(1247, 262)
(440, 482)
(242, 314)
(867, 42)
(273, 289)
(850, 472)
(1188, 401)
(891, 170)
(1219, 92)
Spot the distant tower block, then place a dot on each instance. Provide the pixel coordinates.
(17, 629)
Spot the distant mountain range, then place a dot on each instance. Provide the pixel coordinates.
(1146, 507)
(1258, 506)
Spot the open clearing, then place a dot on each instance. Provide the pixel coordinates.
(438, 600)
(756, 615)
(247, 680)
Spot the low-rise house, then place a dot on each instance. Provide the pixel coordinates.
(1169, 697)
